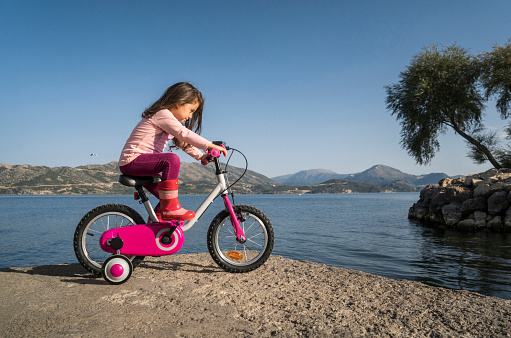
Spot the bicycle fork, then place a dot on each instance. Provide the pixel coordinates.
(240, 235)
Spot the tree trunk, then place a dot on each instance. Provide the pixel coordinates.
(478, 144)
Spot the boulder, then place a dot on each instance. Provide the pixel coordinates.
(474, 204)
(480, 219)
(495, 223)
(458, 194)
(444, 182)
(467, 225)
(472, 181)
(506, 226)
(451, 213)
(482, 189)
(489, 173)
(498, 202)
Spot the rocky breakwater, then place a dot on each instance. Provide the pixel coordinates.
(476, 202)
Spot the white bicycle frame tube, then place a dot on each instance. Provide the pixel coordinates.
(221, 186)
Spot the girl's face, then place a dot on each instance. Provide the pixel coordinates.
(185, 111)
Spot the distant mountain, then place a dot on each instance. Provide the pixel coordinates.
(308, 177)
(380, 174)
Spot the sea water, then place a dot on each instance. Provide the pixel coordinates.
(366, 232)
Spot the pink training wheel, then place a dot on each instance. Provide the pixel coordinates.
(117, 269)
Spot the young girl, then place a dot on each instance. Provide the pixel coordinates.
(143, 154)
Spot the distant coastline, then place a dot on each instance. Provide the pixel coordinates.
(197, 180)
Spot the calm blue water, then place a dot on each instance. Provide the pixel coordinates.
(366, 232)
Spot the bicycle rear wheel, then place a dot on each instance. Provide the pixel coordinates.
(93, 225)
(232, 255)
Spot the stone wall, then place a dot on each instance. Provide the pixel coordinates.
(476, 202)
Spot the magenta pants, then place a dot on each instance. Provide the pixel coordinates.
(165, 165)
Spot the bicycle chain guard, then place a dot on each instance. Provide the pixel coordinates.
(144, 239)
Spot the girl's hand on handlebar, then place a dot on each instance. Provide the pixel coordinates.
(204, 160)
(221, 149)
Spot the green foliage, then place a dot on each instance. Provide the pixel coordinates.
(496, 76)
(441, 89)
(501, 152)
(437, 90)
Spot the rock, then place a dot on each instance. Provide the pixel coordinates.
(472, 181)
(482, 189)
(427, 193)
(458, 193)
(444, 182)
(495, 223)
(467, 225)
(499, 186)
(488, 173)
(505, 177)
(451, 213)
(433, 218)
(480, 219)
(418, 212)
(474, 204)
(438, 200)
(498, 202)
(506, 226)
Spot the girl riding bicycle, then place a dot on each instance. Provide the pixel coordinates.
(176, 115)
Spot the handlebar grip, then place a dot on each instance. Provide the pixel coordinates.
(211, 153)
(215, 152)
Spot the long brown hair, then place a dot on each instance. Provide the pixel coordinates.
(179, 94)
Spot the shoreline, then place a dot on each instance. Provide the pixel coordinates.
(188, 295)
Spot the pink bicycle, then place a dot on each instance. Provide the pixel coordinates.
(112, 239)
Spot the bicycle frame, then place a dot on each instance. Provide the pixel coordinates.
(220, 188)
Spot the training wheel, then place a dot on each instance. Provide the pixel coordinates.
(117, 269)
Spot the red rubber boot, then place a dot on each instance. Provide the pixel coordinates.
(170, 208)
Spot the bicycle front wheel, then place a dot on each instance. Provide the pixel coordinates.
(232, 255)
(88, 233)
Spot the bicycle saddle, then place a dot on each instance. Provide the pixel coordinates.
(133, 181)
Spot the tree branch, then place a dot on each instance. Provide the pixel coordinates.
(476, 143)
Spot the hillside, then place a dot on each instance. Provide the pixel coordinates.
(380, 175)
(102, 179)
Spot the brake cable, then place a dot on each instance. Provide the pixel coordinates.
(239, 178)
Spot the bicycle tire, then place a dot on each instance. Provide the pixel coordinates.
(232, 255)
(92, 225)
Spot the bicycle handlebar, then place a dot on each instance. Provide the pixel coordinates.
(213, 153)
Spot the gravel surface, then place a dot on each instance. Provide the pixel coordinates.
(189, 296)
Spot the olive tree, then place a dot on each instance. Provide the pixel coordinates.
(496, 76)
(437, 91)
(495, 80)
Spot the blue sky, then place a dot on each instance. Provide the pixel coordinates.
(293, 84)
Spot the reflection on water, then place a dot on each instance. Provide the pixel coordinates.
(478, 262)
(366, 232)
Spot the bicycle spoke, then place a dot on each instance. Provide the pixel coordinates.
(254, 243)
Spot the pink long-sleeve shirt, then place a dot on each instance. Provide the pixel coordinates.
(151, 136)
